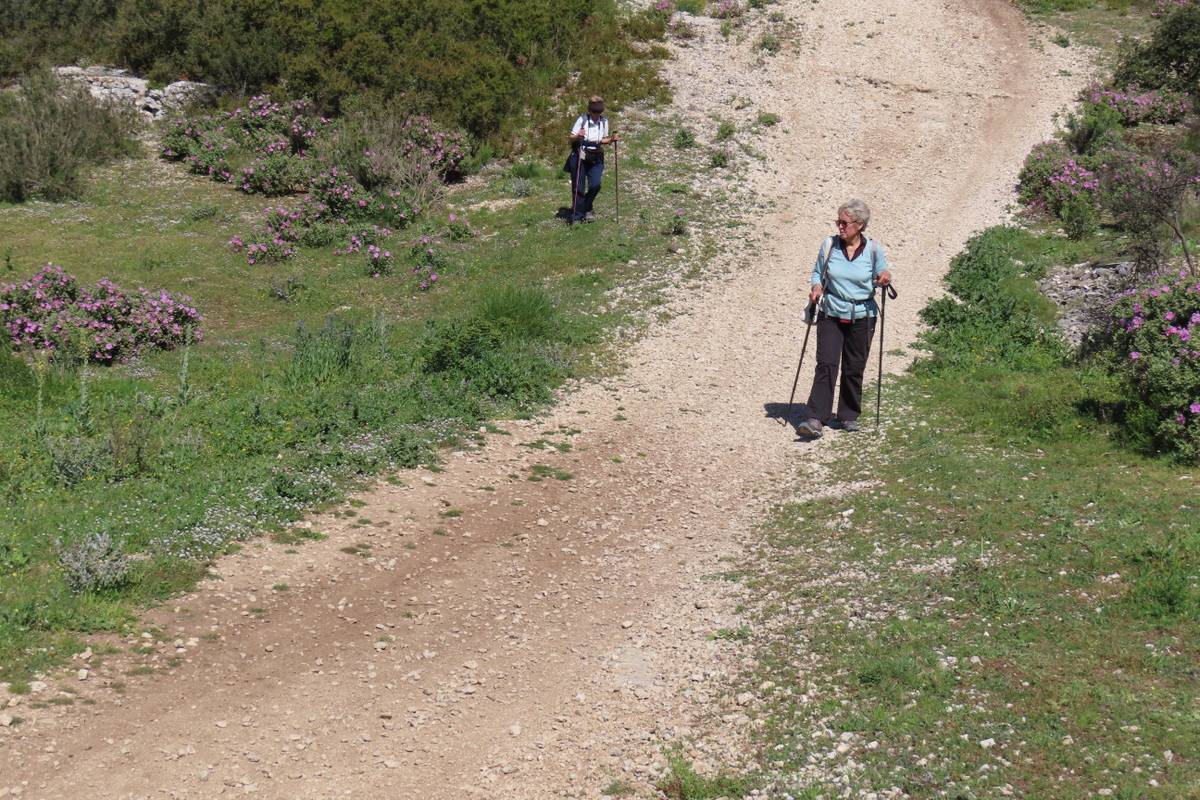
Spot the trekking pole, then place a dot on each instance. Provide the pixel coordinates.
(575, 183)
(617, 180)
(809, 316)
(887, 290)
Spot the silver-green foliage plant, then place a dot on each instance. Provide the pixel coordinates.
(94, 563)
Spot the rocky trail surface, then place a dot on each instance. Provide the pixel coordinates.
(474, 633)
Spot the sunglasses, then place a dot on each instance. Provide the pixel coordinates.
(841, 223)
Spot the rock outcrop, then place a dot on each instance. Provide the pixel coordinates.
(1083, 293)
(120, 87)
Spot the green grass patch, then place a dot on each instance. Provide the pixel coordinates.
(1012, 604)
(538, 472)
(682, 782)
(283, 407)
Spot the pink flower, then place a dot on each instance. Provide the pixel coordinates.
(1134, 355)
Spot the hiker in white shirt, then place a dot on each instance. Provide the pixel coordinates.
(588, 136)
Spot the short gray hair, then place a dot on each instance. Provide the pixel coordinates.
(858, 209)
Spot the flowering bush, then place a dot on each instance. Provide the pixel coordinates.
(442, 150)
(334, 193)
(1137, 106)
(1071, 182)
(277, 136)
(1145, 192)
(1156, 347)
(426, 259)
(379, 261)
(263, 124)
(364, 237)
(728, 9)
(344, 179)
(51, 312)
(1034, 189)
(275, 173)
(458, 229)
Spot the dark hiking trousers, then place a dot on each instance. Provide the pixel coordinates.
(847, 344)
(587, 186)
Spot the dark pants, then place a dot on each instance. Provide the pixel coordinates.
(847, 344)
(585, 184)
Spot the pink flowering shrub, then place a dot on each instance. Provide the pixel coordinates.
(378, 169)
(426, 259)
(1156, 347)
(1034, 188)
(364, 237)
(276, 138)
(1146, 194)
(51, 312)
(1072, 180)
(441, 149)
(728, 9)
(457, 228)
(1136, 106)
(379, 261)
(274, 173)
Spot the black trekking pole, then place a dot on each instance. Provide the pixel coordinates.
(888, 289)
(617, 181)
(575, 183)
(809, 317)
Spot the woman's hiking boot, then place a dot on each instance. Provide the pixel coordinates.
(810, 427)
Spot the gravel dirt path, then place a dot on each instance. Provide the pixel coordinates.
(492, 636)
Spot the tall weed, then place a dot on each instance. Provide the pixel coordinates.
(50, 133)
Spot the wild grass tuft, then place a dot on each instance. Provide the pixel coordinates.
(51, 132)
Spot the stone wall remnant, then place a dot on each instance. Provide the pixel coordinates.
(120, 87)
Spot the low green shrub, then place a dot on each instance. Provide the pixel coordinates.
(1079, 218)
(1169, 59)
(994, 314)
(1090, 126)
(50, 133)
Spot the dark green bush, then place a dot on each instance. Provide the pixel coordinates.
(1090, 127)
(49, 133)
(994, 314)
(1079, 218)
(34, 31)
(468, 63)
(1171, 57)
(500, 352)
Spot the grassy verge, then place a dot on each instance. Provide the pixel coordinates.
(1009, 606)
(117, 485)
(1094, 23)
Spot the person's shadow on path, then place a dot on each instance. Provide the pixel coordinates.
(799, 413)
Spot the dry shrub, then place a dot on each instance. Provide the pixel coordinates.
(50, 132)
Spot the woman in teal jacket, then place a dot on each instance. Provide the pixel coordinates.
(849, 267)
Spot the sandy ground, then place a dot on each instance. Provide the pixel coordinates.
(552, 637)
